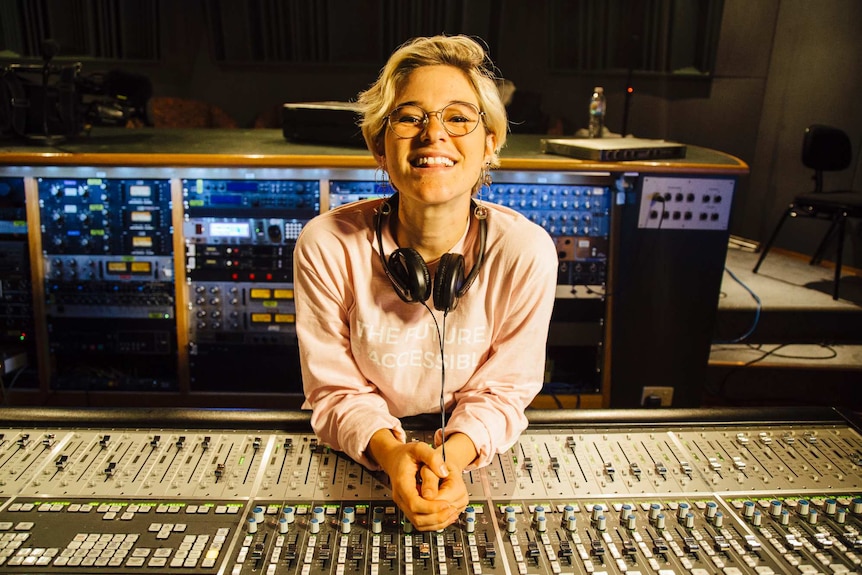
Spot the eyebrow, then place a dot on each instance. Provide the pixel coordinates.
(415, 103)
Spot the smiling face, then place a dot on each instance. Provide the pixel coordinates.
(435, 168)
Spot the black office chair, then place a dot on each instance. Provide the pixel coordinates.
(824, 149)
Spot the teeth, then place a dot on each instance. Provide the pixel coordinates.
(434, 161)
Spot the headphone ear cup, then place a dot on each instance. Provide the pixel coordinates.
(448, 281)
(409, 270)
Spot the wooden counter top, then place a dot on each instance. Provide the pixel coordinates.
(268, 148)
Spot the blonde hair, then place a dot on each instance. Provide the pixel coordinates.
(460, 52)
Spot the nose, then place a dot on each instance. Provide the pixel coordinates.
(434, 131)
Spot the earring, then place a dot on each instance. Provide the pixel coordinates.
(381, 181)
(485, 180)
(486, 175)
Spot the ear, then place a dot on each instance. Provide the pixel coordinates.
(490, 146)
(377, 149)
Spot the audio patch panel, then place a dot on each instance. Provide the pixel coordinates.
(673, 203)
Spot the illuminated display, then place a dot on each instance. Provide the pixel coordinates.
(229, 229)
(138, 191)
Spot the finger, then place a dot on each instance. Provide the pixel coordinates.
(454, 491)
(430, 483)
(436, 521)
(417, 506)
(433, 459)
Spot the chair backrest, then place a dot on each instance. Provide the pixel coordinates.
(825, 148)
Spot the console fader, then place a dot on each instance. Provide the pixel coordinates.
(254, 492)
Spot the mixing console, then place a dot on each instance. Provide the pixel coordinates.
(581, 492)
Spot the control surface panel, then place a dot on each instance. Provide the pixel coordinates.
(577, 497)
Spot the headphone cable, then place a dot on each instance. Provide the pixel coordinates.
(440, 339)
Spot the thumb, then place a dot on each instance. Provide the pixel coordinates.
(434, 461)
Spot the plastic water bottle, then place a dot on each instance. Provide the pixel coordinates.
(598, 106)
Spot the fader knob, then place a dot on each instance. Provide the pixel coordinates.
(471, 524)
(314, 525)
(803, 507)
(542, 524)
(856, 505)
(376, 525)
(345, 525)
(511, 525)
(602, 523)
(317, 513)
(252, 525)
(659, 521)
(711, 509)
(625, 511)
(539, 513)
(510, 512)
(283, 525)
(812, 516)
(718, 521)
(572, 523)
(775, 508)
(831, 506)
(259, 513)
(350, 514)
(841, 515)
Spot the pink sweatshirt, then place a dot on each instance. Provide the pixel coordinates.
(368, 358)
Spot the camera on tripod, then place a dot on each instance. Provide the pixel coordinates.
(49, 103)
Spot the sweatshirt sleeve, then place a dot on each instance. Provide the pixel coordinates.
(490, 408)
(347, 409)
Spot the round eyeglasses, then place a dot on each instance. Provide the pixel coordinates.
(457, 118)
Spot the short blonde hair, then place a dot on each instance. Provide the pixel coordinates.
(460, 52)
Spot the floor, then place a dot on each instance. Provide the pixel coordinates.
(799, 347)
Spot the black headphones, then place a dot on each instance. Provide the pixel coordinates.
(409, 274)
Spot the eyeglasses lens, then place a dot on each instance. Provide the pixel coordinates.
(458, 119)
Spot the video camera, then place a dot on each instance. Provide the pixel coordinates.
(48, 103)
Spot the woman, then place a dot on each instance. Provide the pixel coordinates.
(372, 349)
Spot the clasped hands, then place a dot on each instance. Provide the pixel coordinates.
(429, 491)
